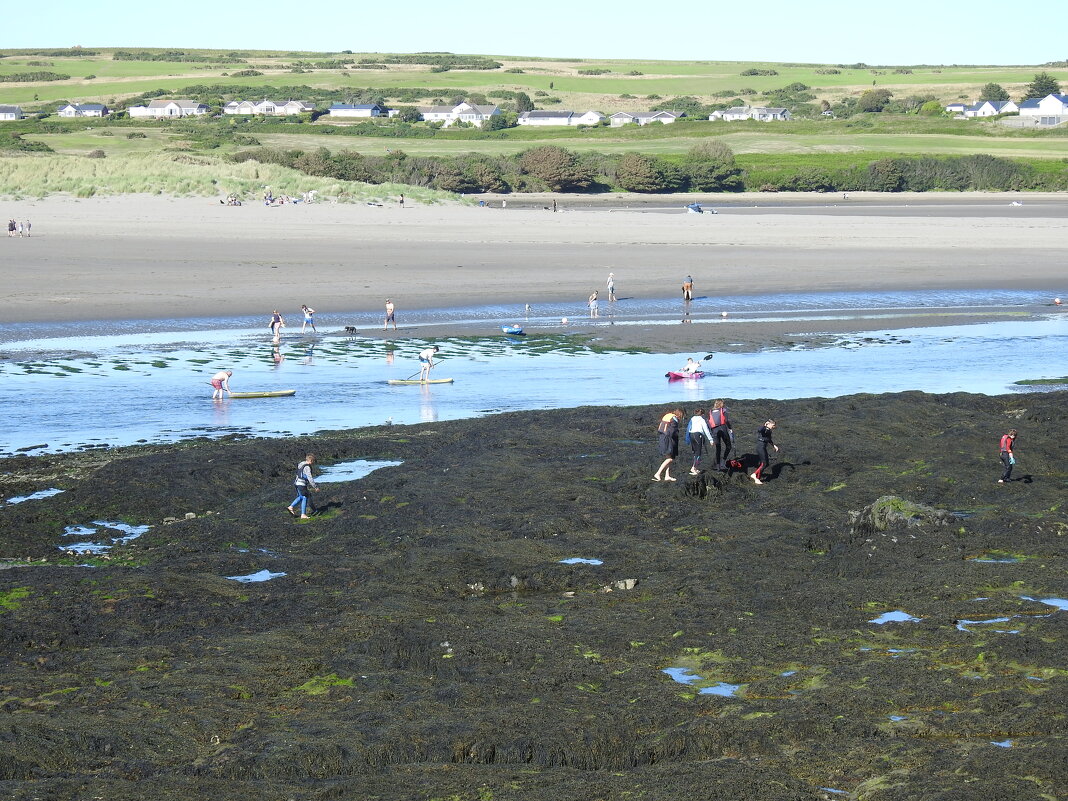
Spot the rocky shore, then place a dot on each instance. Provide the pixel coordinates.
(428, 641)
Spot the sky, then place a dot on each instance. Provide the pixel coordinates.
(902, 32)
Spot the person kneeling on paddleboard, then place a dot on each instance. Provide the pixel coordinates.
(426, 362)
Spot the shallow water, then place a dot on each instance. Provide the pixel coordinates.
(252, 578)
(149, 383)
(35, 496)
(350, 471)
(897, 616)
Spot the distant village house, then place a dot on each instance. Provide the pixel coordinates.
(465, 112)
(270, 108)
(83, 110)
(758, 113)
(161, 109)
(990, 108)
(11, 113)
(360, 110)
(1050, 110)
(644, 117)
(559, 117)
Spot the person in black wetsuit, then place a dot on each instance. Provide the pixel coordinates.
(722, 435)
(763, 441)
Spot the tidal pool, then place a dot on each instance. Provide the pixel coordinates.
(252, 578)
(897, 616)
(36, 496)
(152, 386)
(130, 533)
(350, 471)
(578, 560)
(688, 677)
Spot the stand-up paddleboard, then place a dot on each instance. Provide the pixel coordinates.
(278, 393)
(674, 375)
(403, 381)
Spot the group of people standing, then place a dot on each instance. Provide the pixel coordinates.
(705, 433)
(20, 229)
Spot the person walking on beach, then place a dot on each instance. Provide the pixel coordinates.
(401, 201)
(668, 443)
(426, 362)
(592, 303)
(27, 224)
(611, 287)
(1008, 460)
(304, 484)
(390, 316)
(687, 289)
(763, 441)
(699, 437)
(309, 319)
(10, 227)
(277, 324)
(722, 434)
(220, 383)
(20, 230)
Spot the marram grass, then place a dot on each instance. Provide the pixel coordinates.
(183, 175)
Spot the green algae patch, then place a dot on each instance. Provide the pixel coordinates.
(12, 599)
(1038, 382)
(321, 685)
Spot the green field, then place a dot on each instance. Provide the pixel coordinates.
(803, 143)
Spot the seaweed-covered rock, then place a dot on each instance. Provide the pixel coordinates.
(890, 511)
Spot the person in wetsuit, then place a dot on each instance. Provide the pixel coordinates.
(1006, 456)
(722, 435)
(763, 441)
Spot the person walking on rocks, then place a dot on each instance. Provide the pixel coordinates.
(309, 319)
(668, 443)
(763, 441)
(220, 383)
(391, 316)
(722, 435)
(1008, 460)
(699, 436)
(304, 484)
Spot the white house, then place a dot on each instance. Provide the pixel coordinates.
(758, 113)
(362, 110)
(271, 108)
(990, 108)
(11, 113)
(643, 117)
(1050, 110)
(168, 108)
(465, 112)
(559, 117)
(83, 110)
(956, 108)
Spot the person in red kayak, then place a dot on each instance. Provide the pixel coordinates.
(1008, 460)
(691, 367)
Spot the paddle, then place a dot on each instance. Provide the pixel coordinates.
(709, 356)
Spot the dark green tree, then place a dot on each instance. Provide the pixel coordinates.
(498, 122)
(993, 91)
(710, 167)
(1044, 84)
(637, 172)
(523, 102)
(874, 100)
(557, 168)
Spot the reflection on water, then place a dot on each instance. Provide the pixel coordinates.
(120, 389)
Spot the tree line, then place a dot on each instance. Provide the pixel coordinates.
(708, 167)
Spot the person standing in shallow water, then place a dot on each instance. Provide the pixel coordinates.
(309, 319)
(304, 484)
(1008, 460)
(763, 441)
(276, 325)
(668, 443)
(592, 303)
(687, 288)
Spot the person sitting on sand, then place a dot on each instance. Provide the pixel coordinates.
(699, 436)
(668, 443)
(309, 319)
(303, 482)
(763, 441)
(1007, 457)
(691, 367)
(426, 362)
(220, 383)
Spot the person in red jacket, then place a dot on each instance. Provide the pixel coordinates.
(1007, 458)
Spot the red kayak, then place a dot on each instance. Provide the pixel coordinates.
(675, 375)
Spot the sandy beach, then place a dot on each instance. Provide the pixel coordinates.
(135, 257)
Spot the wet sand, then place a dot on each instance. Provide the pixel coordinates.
(137, 257)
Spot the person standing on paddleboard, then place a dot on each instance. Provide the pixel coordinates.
(426, 362)
(220, 383)
(303, 482)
